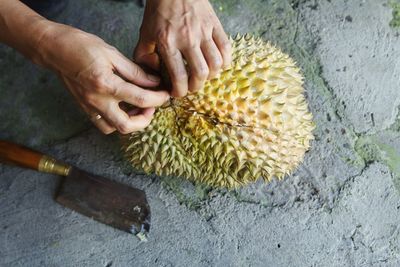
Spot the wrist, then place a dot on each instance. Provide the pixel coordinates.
(42, 43)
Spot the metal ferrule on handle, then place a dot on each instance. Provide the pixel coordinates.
(14, 154)
(51, 165)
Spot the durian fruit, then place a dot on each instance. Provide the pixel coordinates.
(251, 121)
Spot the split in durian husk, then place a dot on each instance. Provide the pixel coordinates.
(251, 121)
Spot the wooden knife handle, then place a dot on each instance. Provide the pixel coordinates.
(25, 157)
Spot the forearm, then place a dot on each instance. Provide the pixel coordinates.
(22, 28)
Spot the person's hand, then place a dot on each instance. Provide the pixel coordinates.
(100, 78)
(183, 31)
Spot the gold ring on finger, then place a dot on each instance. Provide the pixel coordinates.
(96, 117)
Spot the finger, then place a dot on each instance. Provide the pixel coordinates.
(139, 97)
(92, 112)
(126, 124)
(130, 110)
(212, 56)
(177, 71)
(145, 53)
(148, 112)
(223, 44)
(101, 123)
(198, 68)
(96, 117)
(133, 73)
(150, 60)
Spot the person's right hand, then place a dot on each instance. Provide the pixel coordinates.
(187, 36)
(100, 78)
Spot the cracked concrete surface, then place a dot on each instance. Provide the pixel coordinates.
(340, 208)
(364, 71)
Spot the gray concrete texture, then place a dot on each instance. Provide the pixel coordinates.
(340, 208)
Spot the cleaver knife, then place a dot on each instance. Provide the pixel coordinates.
(120, 206)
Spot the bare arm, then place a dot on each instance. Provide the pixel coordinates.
(21, 27)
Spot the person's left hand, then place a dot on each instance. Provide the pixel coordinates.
(179, 31)
(102, 80)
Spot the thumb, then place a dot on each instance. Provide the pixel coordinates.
(133, 73)
(145, 53)
(151, 60)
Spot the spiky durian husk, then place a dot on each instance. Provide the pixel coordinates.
(251, 121)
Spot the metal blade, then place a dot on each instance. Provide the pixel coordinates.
(106, 201)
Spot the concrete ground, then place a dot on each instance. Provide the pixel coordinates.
(340, 208)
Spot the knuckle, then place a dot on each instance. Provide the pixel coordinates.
(107, 86)
(190, 36)
(140, 100)
(99, 84)
(135, 71)
(165, 38)
(226, 45)
(113, 90)
(179, 74)
(92, 99)
(192, 41)
(211, 18)
(206, 30)
(184, 31)
(216, 63)
(201, 72)
(123, 127)
(112, 48)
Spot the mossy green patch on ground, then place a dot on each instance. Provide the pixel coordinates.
(374, 148)
(192, 200)
(371, 149)
(395, 22)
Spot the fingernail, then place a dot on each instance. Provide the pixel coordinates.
(150, 111)
(153, 78)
